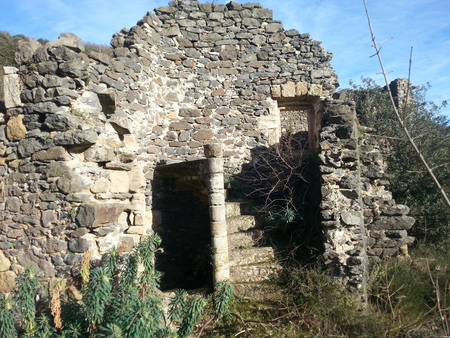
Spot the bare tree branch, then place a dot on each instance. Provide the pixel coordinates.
(402, 124)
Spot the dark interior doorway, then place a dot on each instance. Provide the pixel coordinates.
(181, 201)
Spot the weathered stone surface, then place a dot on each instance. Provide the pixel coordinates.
(12, 204)
(76, 138)
(68, 40)
(12, 87)
(71, 182)
(15, 129)
(60, 122)
(48, 217)
(54, 245)
(99, 154)
(351, 218)
(42, 266)
(203, 135)
(80, 245)
(5, 263)
(87, 130)
(7, 281)
(120, 182)
(74, 68)
(137, 180)
(393, 223)
(95, 215)
(52, 154)
(396, 210)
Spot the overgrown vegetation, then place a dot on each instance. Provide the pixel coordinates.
(282, 182)
(410, 183)
(120, 298)
(407, 298)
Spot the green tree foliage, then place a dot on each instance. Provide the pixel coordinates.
(411, 185)
(8, 45)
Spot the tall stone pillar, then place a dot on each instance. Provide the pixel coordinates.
(342, 205)
(219, 233)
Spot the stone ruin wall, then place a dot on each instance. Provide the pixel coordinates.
(83, 133)
(361, 222)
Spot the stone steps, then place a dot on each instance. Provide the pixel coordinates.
(251, 265)
(238, 208)
(262, 291)
(244, 239)
(251, 255)
(254, 272)
(240, 223)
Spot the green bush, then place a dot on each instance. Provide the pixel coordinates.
(117, 302)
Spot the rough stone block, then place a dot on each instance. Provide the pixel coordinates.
(40, 264)
(393, 223)
(95, 215)
(5, 263)
(68, 40)
(120, 181)
(99, 154)
(137, 181)
(81, 244)
(396, 210)
(274, 27)
(71, 183)
(100, 186)
(136, 230)
(128, 241)
(7, 281)
(15, 129)
(315, 90)
(12, 88)
(203, 135)
(52, 154)
(276, 91)
(48, 217)
(288, 89)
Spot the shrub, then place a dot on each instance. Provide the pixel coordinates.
(117, 302)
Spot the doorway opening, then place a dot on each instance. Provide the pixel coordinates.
(180, 200)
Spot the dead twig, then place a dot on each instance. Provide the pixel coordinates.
(402, 124)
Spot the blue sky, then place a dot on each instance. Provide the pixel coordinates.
(341, 25)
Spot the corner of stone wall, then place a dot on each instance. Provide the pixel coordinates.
(342, 211)
(362, 222)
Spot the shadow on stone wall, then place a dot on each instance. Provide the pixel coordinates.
(283, 183)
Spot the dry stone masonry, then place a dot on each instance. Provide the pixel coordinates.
(83, 134)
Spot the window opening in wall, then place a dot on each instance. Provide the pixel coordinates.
(300, 122)
(294, 123)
